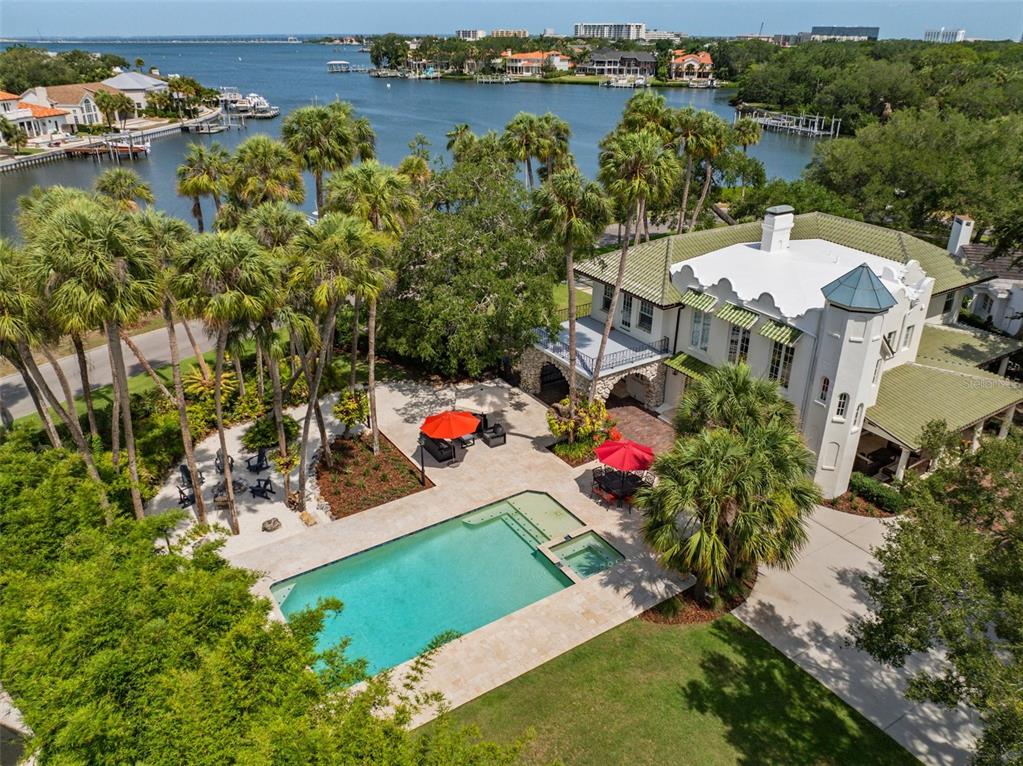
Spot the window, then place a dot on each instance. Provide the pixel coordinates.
(781, 363)
(889, 338)
(843, 405)
(701, 330)
(607, 298)
(626, 310)
(646, 316)
(738, 344)
(877, 371)
(825, 385)
(950, 302)
(859, 415)
(907, 336)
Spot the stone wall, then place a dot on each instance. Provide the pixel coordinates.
(532, 361)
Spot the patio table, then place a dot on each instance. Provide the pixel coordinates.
(220, 488)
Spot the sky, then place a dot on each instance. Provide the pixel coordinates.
(991, 19)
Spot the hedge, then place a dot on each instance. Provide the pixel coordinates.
(884, 496)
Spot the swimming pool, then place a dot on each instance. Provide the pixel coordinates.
(457, 575)
(588, 554)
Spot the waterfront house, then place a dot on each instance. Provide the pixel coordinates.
(535, 63)
(609, 63)
(37, 121)
(691, 67)
(1000, 300)
(136, 86)
(856, 323)
(77, 99)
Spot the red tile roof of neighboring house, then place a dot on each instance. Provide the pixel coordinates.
(534, 55)
(701, 57)
(1008, 266)
(5, 96)
(40, 111)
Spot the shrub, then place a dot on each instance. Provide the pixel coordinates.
(591, 422)
(263, 433)
(245, 408)
(576, 452)
(884, 496)
(197, 386)
(352, 408)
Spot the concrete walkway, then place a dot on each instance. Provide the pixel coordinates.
(805, 612)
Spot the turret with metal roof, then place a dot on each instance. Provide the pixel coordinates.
(859, 290)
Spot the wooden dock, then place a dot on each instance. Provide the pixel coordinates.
(810, 125)
(495, 79)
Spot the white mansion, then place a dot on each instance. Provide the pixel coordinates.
(856, 323)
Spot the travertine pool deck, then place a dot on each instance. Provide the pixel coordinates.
(498, 652)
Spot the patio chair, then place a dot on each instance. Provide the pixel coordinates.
(186, 476)
(259, 463)
(442, 451)
(263, 488)
(219, 462)
(495, 435)
(186, 496)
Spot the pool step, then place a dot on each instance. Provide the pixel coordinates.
(282, 595)
(521, 526)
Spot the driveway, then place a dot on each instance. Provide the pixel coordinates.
(806, 611)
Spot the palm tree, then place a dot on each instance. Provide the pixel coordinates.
(263, 170)
(163, 237)
(730, 398)
(685, 125)
(416, 168)
(633, 168)
(329, 253)
(370, 283)
(711, 141)
(747, 132)
(124, 187)
(456, 135)
(573, 212)
(381, 196)
(226, 279)
(522, 138)
(89, 257)
(647, 109)
(202, 174)
(553, 148)
(273, 224)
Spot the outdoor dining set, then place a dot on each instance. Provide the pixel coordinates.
(442, 434)
(623, 473)
(256, 464)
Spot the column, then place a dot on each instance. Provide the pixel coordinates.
(900, 469)
(977, 431)
(1003, 366)
(1007, 416)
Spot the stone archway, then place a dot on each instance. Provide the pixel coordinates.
(653, 375)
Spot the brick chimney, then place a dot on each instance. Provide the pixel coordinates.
(778, 221)
(962, 230)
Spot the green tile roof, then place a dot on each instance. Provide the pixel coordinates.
(690, 365)
(780, 333)
(699, 301)
(646, 274)
(737, 315)
(962, 347)
(912, 395)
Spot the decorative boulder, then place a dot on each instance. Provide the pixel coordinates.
(271, 525)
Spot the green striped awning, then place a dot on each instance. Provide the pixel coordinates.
(689, 365)
(780, 333)
(739, 316)
(699, 301)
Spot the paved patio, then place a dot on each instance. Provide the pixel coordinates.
(498, 652)
(641, 425)
(806, 611)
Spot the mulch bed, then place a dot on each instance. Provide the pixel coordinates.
(574, 462)
(690, 611)
(360, 480)
(856, 505)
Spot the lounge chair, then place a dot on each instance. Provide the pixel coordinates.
(442, 451)
(259, 463)
(263, 488)
(186, 476)
(219, 462)
(186, 496)
(495, 435)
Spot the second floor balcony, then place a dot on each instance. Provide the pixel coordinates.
(623, 352)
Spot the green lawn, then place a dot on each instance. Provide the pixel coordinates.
(662, 694)
(561, 298)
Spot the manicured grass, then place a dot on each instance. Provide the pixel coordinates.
(561, 297)
(654, 694)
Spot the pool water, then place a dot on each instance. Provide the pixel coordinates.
(455, 576)
(588, 554)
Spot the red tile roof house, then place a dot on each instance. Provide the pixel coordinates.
(691, 66)
(34, 119)
(533, 63)
(77, 99)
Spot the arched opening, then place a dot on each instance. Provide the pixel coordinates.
(553, 384)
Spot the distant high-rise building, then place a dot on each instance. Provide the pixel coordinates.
(623, 31)
(549, 32)
(509, 33)
(944, 35)
(844, 34)
(470, 34)
(660, 34)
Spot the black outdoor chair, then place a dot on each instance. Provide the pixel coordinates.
(186, 476)
(442, 451)
(259, 463)
(186, 497)
(263, 488)
(495, 435)
(219, 462)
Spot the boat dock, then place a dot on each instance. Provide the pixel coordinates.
(811, 125)
(495, 79)
(344, 67)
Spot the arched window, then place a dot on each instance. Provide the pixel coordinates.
(859, 415)
(843, 405)
(825, 385)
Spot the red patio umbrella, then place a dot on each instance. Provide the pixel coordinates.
(625, 455)
(450, 424)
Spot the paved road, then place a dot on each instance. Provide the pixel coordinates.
(805, 612)
(153, 345)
